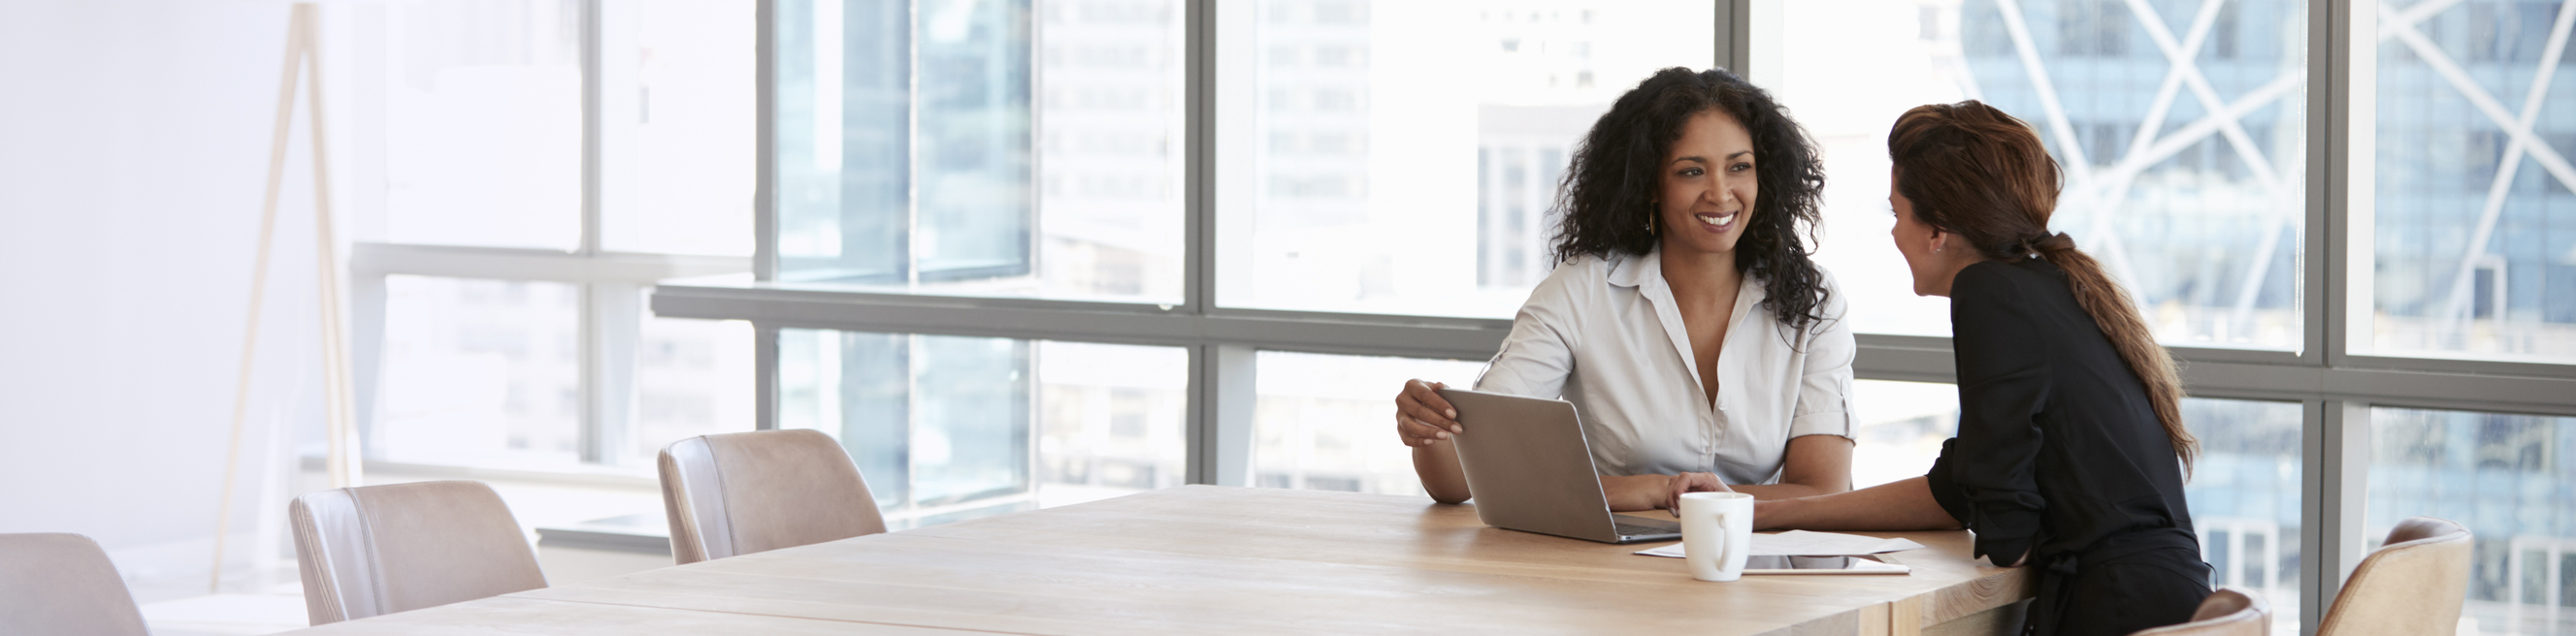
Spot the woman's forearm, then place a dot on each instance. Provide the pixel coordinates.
(1437, 464)
(1903, 505)
(1650, 492)
(1783, 490)
(1632, 493)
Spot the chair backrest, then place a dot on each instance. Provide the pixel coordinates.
(740, 493)
(2414, 584)
(62, 584)
(2227, 612)
(376, 550)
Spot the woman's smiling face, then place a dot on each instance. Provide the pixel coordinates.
(1708, 186)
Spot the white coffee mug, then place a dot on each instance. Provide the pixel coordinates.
(1717, 534)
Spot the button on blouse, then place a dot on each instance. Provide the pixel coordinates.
(1606, 335)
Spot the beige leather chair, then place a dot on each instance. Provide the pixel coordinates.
(2413, 585)
(741, 493)
(62, 584)
(376, 550)
(2227, 612)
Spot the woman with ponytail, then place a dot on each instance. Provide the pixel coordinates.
(2071, 450)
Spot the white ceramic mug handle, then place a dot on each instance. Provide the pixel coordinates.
(1723, 545)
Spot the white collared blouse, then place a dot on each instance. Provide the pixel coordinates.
(1606, 335)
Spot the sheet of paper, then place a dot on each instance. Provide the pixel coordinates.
(1804, 543)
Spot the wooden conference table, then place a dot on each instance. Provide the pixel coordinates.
(1209, 559)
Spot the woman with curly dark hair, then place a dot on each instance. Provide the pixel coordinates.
(1684, 320)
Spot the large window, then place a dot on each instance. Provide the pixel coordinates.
(2245, 496)
(2177, 125)
(1899, 427)
(449, 83)
(948, 427)
(519, 172)
(480, 372)
(2509, 478)
(677, 120)
(1015, 147)
(2475, 251)
(1258, 216)
(1326, 422)
(1403, 157)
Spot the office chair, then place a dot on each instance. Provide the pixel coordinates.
(62, 585)
(740, 493)
(2414, 584)
(376, 550)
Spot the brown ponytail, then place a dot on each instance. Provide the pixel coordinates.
(1972, 170)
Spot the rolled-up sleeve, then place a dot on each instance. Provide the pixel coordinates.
(1539, 353)
(1984, 477)
(1824, 392)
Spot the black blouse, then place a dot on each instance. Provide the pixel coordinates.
(2058, 444)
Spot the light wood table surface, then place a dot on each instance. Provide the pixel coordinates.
(1209, 559)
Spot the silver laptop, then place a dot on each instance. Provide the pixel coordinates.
(1529, 469)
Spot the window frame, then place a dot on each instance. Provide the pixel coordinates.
(2331, 375)
(612, 309)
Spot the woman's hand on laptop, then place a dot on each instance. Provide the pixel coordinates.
(1422, 416)
(1691, 482)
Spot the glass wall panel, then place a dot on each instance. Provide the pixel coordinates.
(2244, 496)
(1327, 422)
(946, 428)
(677, 122)
(2179, 125)
(480, 373)
(1902, 425)
(2475, 224)
(1403, 157)
(1113, 419)
(692, 377)
(2509, 479)
(1013, 147)
(466, 120)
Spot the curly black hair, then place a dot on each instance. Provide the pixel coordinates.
(1608, 193)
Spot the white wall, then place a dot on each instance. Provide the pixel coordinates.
(133, 145)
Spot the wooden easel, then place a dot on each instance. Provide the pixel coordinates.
(303, 58)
